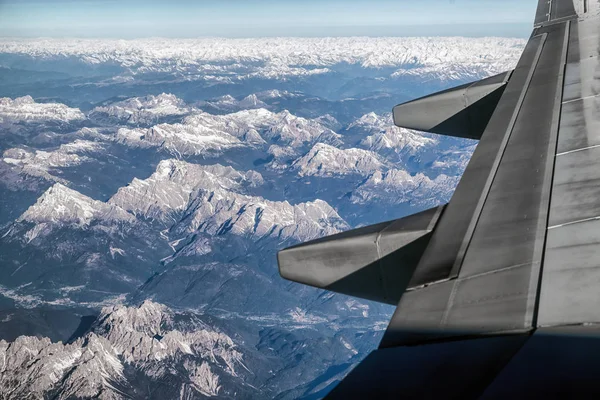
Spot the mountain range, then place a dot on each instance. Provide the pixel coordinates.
(146, 186)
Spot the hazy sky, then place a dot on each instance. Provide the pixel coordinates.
(247, 18)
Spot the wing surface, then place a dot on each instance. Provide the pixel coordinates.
(504, 301)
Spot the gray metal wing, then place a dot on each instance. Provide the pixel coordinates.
(375, 262)
(463, 111)
(504, 301)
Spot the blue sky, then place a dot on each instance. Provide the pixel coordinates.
(250, 18)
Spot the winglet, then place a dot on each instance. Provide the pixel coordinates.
(374, 262)
(463, 111)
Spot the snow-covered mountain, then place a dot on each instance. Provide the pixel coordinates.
(385, 136)
(398, 186)
(212, 199)
(23, 110)
(176, 139)
(212, 58)
(229, 103)
(69, 249)
(147, 185)
(144, 110)
(217, 213)
(196, 204)
(203, 132)
(325, 160)
(104, 363)
(28, 163)
(150, 350)
(23, 115)
(61, 206)
(170, 189)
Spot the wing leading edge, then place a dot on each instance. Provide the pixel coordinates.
(501, 300)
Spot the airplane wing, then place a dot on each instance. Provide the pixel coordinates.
(498, 292)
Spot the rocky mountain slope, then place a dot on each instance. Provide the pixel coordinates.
(149, 350)
(146, 110)
(126, 354)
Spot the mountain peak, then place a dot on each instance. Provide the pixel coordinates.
(169, 190)
(142, 110)
(60, 204)
(325, 160)
(25, 109)
(122, 337)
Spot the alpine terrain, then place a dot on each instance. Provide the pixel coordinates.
(146, 186)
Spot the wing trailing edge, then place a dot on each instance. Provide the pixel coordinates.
(374, 262)
(463, 111)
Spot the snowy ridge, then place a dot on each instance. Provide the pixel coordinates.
(169, 189)
(229, 103)
(24, 110)
(39, 163)
(294, 131)
(213, 201)
(373, 122)
(203, 132)
(141, 110)
(453, 71)
(178, 139)
(254, 125)
(384, 135)
(281, 56)
(218, 212)
(33, 367)
(397, 139)
(133, 330)
(61, 205)
(93, 366)
(398, 186)
(324, 160)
